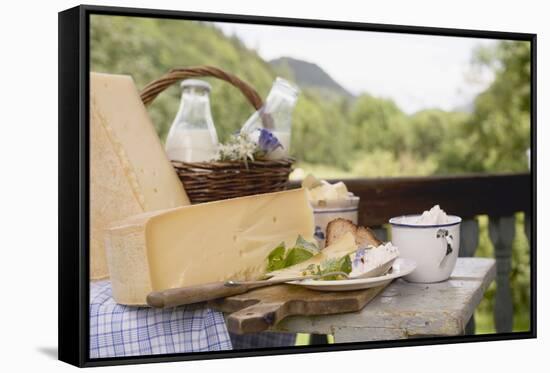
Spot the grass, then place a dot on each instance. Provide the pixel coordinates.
(303, 339)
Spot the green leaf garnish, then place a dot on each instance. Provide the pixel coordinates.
(276, 258)
(342, 264)
(280, 257)
(303, 244)
(297, 255)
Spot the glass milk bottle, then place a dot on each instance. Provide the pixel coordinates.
(193, 137)
(275, 115)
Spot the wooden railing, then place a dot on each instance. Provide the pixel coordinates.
(498, 196)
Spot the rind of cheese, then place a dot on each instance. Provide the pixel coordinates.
(203, 243)
(129, 170)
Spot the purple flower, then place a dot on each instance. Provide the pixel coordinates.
(359, 257)
(268, 142)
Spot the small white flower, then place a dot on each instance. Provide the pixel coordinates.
(239, 148)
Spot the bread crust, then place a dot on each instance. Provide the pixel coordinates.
(364, 236)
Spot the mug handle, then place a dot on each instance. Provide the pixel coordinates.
(443, 233)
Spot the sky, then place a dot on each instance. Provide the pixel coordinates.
(416, 71)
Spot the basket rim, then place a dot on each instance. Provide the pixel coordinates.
(259, 162)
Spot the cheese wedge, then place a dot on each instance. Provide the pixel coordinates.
(129, 170)
(203, 243)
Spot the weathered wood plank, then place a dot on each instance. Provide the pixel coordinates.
(260, 309)
(406, 309)
(464, 195)
(502, 231)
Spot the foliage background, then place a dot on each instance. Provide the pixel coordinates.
(337, 136)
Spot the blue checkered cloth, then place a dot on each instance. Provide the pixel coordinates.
(118, 330)
(262, 340)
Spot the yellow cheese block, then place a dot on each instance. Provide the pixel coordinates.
(203, 243)
(129, 170)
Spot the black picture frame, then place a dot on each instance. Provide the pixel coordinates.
(74, 181)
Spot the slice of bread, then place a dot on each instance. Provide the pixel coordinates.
(364, 236)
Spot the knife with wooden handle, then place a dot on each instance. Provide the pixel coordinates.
(214, 290)
(222, 289)
(193, 294)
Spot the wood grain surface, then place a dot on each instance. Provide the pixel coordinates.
(261, 309)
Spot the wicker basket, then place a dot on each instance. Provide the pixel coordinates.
(212, 181)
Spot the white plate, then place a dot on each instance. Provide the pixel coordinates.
(401, 267)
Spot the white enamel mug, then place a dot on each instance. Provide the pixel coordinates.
(434, 248)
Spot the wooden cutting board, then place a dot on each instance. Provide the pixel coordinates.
(260, 309)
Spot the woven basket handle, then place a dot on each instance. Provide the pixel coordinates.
(154, 88)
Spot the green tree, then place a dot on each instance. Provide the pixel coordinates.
(431, 129)
(321, 134)
(497, 134)
(377, 124)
